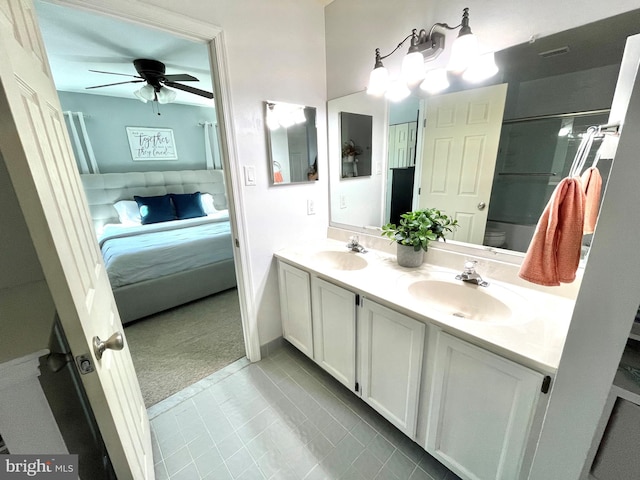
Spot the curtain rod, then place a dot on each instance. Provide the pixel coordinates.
(558, 115)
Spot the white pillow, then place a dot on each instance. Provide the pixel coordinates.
(207, 204)
(128, 212)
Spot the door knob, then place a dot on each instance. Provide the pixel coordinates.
(481, 205)
(114, 342)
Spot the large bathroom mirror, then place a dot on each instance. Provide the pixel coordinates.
(292, 140)
(556, 87)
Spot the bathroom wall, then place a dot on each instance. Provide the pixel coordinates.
(274, 51)
(106, 118)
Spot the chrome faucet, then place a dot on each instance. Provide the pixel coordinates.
(470, 275)
(354, 245)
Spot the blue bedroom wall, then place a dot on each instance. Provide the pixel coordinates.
(108, 117)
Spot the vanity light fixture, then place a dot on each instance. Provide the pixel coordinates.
(465, 59)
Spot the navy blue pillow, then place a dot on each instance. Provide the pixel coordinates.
(155, 209)
(188, 205)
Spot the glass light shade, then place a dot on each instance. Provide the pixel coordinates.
(145, 94)
(285, 116)
(435, 81)
(166, 95)
(298, 115)
(397, 91)
(463, 51)
(272, 119)
(413, 68)
(378, 82)
(482, 67)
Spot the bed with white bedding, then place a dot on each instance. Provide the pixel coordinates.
(156, 266)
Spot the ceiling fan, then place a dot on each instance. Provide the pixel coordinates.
(153, 73)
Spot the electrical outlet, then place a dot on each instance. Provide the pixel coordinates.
(311, 207)
(343, 201)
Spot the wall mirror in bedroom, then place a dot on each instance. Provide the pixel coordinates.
(292, 140)
(196, 325)
(555, 88)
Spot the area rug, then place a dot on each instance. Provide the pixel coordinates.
(175, 348)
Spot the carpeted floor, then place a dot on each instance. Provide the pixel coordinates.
(174, 349)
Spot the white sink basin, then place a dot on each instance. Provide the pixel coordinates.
(341, 260)
(491, 304)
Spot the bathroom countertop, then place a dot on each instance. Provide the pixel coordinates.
(534, 336)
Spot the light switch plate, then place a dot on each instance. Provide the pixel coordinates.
(343, 201)
(311, 207)
(249, 175)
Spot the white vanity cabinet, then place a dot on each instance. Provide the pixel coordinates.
(295, 305)
(336, 327)
(481, 410)
(334, 330)
(390, 349)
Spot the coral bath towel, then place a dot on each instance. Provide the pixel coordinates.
(592, 185)
(554, 251)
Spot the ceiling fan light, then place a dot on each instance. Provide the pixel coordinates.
(166, 95)
(145, 94)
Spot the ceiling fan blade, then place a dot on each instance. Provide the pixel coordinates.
(114, 73)
(111, 84)
(185, 88)
(181, 77)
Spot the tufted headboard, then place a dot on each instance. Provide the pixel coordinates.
(104, 189)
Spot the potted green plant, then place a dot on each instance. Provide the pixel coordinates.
(415, 231)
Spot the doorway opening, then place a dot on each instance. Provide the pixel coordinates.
(201, 332)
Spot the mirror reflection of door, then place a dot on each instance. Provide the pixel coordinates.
(458, 159)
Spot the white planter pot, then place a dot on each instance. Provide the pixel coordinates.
(408, 257)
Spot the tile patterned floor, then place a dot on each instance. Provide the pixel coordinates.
(280, 418)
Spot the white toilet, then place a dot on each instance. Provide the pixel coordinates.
(494, 237)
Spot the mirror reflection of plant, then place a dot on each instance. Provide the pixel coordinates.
(350, 149)
(420, 227)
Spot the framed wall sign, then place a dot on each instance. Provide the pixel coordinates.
(151, 144)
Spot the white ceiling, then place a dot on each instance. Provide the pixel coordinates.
(78, 41)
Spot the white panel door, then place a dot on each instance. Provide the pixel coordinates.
(482, 408)
(334, 330)
(36, 149)
(390, 349)
(459, 153)
(295, 307)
